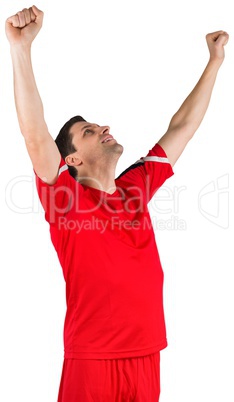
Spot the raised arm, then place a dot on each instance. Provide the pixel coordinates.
(21, 29)
(188, 118)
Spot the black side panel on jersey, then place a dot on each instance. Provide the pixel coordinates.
(135, 165)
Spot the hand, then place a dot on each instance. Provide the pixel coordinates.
(23, 27)
(216, 42)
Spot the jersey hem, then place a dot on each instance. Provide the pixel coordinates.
(115, 355)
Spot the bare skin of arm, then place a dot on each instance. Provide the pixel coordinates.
(21, 30)
(188, 118)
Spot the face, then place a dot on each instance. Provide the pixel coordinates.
(94, 144)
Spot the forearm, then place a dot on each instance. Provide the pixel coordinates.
(191, 113)
(27, 99)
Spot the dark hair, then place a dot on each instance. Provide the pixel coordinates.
(64, 142)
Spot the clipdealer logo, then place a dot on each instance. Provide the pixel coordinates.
(213, 202)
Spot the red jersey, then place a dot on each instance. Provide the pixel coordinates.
(106, 247)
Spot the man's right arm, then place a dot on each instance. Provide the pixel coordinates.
(21, 29)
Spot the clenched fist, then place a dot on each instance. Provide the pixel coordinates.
(23, 27)
(216, 42)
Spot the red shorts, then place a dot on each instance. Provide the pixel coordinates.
(119, 380)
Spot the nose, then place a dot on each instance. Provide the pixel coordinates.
(104, 130)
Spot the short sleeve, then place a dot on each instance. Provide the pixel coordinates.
(149, 172)
(58, 199)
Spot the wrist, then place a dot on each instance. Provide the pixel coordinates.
(213, 67)
(20, 48)
(215, 62)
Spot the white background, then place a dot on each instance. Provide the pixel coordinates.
(128, 64)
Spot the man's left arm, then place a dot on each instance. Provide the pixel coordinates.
(188, 118)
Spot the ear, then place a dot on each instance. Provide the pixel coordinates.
(73, 160)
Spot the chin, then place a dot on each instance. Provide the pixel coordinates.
(119, 148)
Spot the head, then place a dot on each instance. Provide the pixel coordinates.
(85, 146)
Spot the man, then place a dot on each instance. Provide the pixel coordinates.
(101, 229)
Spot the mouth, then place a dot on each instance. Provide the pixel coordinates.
(107, 139)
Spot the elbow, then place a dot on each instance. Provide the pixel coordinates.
(185, 124)
(187, 130)
(33, 134)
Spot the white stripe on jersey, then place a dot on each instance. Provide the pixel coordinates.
(62, 169)
(153, 159)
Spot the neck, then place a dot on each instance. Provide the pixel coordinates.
(100, 178)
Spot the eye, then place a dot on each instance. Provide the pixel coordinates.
(87, 131)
